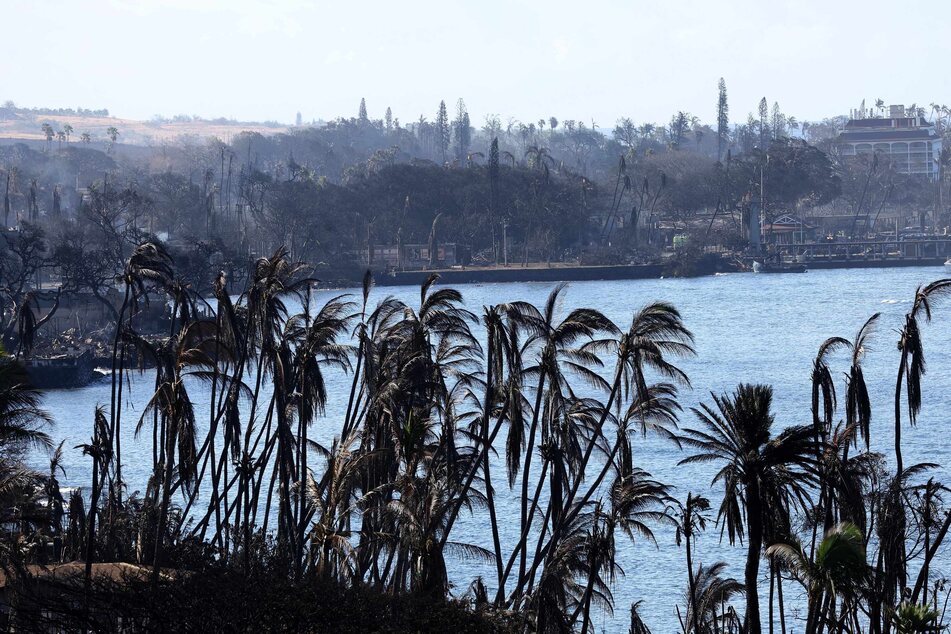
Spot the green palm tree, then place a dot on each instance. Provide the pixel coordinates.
(838, 572)
(21, 417)
(762, 474)
(910, 618)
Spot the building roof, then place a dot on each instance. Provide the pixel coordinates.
(897, 122)
(887, 134)
(787, 224)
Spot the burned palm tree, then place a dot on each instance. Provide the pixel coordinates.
(655, 336)
(858, 407)
(557, 351)
(100, 450)
(149, 267)
(911, 369)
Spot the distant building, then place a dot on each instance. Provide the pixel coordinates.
(910, 143)
(416, 256)
(788, 230)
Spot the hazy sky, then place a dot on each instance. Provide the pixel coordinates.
(587, 60)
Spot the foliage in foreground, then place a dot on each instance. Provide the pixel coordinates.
(561, 397)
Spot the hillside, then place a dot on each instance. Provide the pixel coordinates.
(26, 125)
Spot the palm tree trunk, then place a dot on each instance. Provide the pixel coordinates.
(91, 535)
(166, 484)
(922, 582)
(527, 468)
(782, 606)
(486, 443)
(752, 624)
(521, 544)
(772, 593)
(692, 584)
(115, 424)
(813, 614)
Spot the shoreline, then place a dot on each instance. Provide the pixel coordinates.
(516, 273)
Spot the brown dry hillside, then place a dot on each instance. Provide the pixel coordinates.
(27, 126)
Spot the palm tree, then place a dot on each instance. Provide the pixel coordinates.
(713, 592)
(113, 133)
(85, 137)
(823, 411)
(762, 474)
(837, 572)
(691, 518)
(49, 134)
(21, 418)
(100, 450)
(891, 518)
(557, 351)
(538, 158)
(67, 130)
(637, 623)
(910, 618)
(149, 266)
(912, 366)
(183, 356)
(858, 408)
(6, 201)
(656, 336)
(636, 501)
(823, 387)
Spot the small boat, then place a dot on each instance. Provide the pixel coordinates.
(947, 264)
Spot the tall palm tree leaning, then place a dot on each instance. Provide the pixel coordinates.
(762, 474)
(912, 365)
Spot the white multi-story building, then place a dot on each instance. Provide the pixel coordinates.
(910, 143)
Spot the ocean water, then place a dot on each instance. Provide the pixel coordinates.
(748, 328)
